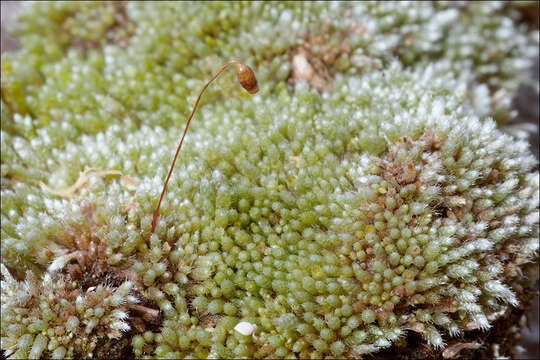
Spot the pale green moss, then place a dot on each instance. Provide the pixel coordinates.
(333, 221)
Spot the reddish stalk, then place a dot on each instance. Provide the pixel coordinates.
(247, 79)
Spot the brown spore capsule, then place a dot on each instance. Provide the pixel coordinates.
(246, 78)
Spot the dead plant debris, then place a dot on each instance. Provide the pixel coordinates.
(82, 181)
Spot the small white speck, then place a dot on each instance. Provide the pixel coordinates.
(245, 328)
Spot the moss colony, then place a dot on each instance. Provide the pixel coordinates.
(363, 194)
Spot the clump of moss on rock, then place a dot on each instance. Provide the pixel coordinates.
(304, 221)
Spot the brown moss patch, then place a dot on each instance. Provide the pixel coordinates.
(88, 268)
(399, 169)
(305, 66)
(117, 31)
(209, 320)
(413, 346)
(316, 61)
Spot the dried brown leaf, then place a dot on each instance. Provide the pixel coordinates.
(82, 181)
(132, 205)
(416, 327)
(129, 182)
(453, 350)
